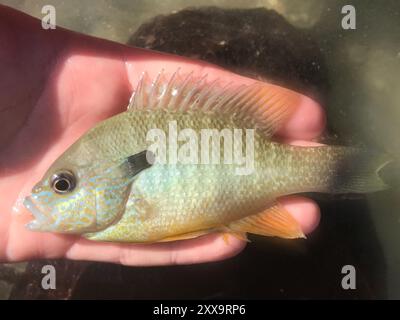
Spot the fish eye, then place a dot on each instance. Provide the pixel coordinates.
(63, 182)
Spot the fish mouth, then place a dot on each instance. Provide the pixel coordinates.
(40, 219)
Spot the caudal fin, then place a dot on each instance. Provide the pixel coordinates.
(359, 172)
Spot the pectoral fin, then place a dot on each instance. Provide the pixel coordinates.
(186, 236)
(274, 221)
(238, 235)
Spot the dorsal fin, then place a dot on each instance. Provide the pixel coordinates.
(259, 105)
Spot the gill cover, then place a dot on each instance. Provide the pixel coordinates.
(113, 187)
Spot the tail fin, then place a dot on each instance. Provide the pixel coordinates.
(359, 172)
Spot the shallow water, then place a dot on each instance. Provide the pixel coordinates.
(362, 98)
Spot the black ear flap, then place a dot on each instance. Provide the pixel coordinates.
(139, 162)
(126, 169)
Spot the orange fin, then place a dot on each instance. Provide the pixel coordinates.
(238, 235)
(186, 236)
(260, 105)
(274, 221)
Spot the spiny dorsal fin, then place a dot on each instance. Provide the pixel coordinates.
(259, 105)
(274, 221)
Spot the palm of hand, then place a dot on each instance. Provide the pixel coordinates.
(49, 99)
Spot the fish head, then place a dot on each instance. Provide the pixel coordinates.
(77, 199)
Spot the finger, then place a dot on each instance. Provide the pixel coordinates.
(306, 122)
(204, 249)
(303, 143)
(304, 210)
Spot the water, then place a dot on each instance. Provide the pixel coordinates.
(356, 76)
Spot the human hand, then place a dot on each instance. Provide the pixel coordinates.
(56, 84)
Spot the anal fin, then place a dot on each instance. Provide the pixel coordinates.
(274, 222)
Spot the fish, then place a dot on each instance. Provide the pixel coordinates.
(191, 157)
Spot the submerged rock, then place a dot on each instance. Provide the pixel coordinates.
(28, 285)
(255, 42)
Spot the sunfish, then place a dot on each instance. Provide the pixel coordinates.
(190, 157)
